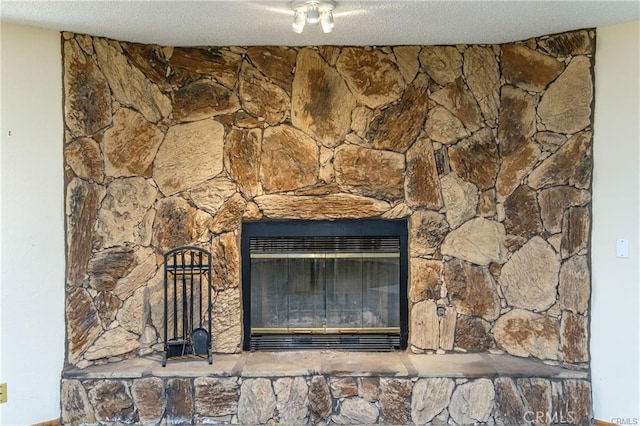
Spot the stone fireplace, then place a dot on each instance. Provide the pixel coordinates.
(483, 151)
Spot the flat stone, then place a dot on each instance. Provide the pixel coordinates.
(487, 203)
(226, 321)
(555, 200)
(87, 99)
(111, 401)
(576, 226)
(566, 105)
(84, 157)
(178, 224)
(550, 141)
(427, 231)
(179, 401)
(430, 397)
(407, 60)
(482, 74)
(471, 289)
(421, 184)
(442, 63)
(515, 167)
(292, 400)
(448, 328)
(536, 394)
(257, 401)
(425, 280)
(129, 85)
(114, 342)
(570, 165)
(356, 411)
(472, 402)
(75, 407)
(476, 159)
(229, 217)
(529, 280)
(574, 290)
(121, 219)
(361, 118)
(444, 127)
(524, 333)
(510, 408)
(517, 121)
(568, 44)
(277, 63)
(369, 388)
(365, 364)
(151, 60)
(478, 241)
(573, 401)
(176, 169)
(326, 117)
(424, 326)
(513, 366)
(399, 211)
(132, 316)
(216, 396)
(220, 64)
(261, 98)
(319, 398)
(242, 159)
(149, 397)
(289, 159)
(398, 126)
(460, 199)
(83, 323)
(395, 400)
(343, 387)
(473, 334)
(335, 206)
(459, 100)
(211, 195)
(522, 213)
(372, 75)
(203, 99)
(529, 69)
(574, 337)
(107, 267)
(144, 269)
(107, 304)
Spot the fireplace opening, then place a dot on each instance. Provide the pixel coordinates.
(338, 285)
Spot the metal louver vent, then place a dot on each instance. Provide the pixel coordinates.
(324, 244)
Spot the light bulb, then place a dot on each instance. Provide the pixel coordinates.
(313, 15)
(326, 20)
(299, 19)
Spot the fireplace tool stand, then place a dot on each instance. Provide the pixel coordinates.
(187, 303)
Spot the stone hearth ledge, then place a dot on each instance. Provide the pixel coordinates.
(330, 363)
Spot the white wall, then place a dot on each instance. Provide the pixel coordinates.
(32, 225)
(615, 314)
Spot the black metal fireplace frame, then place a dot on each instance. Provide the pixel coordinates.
(325, 228)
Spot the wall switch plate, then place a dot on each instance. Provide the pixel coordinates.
(3, 392)
(622, 247)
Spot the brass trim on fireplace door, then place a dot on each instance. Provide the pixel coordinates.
(324, 255)
(320, 330)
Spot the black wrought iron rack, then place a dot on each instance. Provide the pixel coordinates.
(187, 303)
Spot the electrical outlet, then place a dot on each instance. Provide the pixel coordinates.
(3, 392)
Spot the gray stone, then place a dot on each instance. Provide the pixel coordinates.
(430, 397)
(292, 400)
(112, 402)
(442, 63)
(319, 398)
(472, 289)
(424, 326)
(261, 98)
(75, 406)
(478, 241)
(215, 396)
(574, 290)
(149, 397)
(85, 159)
(476, 159)
(179, 401)
(356, 411)
(460, 199)
(472, 402)
(427, 231)
(510, 408)
(483, 77)
(421, 184)
(524, 333)
(536, 395)
(529, 280)
(257, 401)
(444, 127)
(335, 206)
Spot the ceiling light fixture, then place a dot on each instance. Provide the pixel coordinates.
(312, 12)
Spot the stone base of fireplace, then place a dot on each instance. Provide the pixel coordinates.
(328, 387)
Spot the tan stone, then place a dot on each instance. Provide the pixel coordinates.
(257, 401)
(129, 85)
(576, 227)
(356, 411)
(83, 323)
(529, 280)
(220, 64)
(473, 334)
(574, 337)
(425, 279)
(85, 159)
(149, 397)
(472, 402)
(179, 401)
(292, 399)
(536, 394)
(448, 328)
(226, 324)
(574, 290)
(517, 122)
(211, 195)
(261, 98)
(105, 268)
(321, 102)
(360, 119)
(87, 99)
(522, 213)
(319, 398)
(566, 105)
(524, 333)
(178, 224)
(478, 241)
(407, 60)
(151, 60)
(398, 126)
(570, 165)
(398, 212)
(444, 127)
(242, 159)
(203, 99)
(107, 304)
(421, 185)
(133, 314)
(457, 98)
(483, 77)
(515, 167)
(394, 400)
(114, 342)
(215, 396)
(424, 327)
(487, 203)
(471, 289)
(335, 206)
(555, 200)
(112, 401)
(568, 44)
(460, 199)
(442, 63)
(372, 75)
(528, 69)
(427, 230)
(176, 168)
(330, 53)
(476, 159)
(343, 387)
(550, 141)
(144, 269)
(290, 159)
(369, 172)
(369, 388)
(572, 399)
(277, 63)
(75, 407)
(327, 172)
(510, 408)
(430, 397)
(225, 261)
(229, 216)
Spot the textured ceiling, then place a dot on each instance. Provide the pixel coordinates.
(372, 22)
